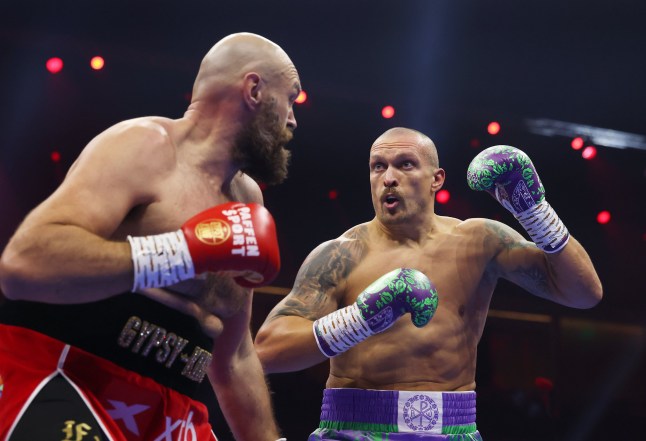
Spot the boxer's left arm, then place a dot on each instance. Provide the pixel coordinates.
(554, 266)
(238, 379)
(566, 277)
(62, 252)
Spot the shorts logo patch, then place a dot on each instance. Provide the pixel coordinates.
(420, 412)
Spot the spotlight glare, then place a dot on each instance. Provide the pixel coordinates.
(589, 152)
(55, 156)
(97, 63)
(332, 194)
(388, 112)
(442, 196)
(603, 217)
(577, 143)
(301, 98)
(54, 65)
(493, 128)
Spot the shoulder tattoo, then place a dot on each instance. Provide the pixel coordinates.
(327, 267)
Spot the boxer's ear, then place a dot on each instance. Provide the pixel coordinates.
(253, 87)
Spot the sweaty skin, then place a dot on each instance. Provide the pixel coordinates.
(464, 259)
(148, 176)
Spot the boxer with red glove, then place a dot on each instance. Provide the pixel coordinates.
(508, 175)
(228, 237)
(376, 309)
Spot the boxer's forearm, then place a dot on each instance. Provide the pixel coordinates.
(64, 264)
(287, 344)
(243, 396)
(574, 276)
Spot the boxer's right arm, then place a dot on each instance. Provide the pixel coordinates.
(285, 341)
(60, 253)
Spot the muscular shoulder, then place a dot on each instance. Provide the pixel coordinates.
(327, 267)
(130, 158)
(246, 189)
(495, 236)
(148, 135)
(142, 139)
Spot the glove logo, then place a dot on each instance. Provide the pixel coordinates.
(421, 413)
(212, 232)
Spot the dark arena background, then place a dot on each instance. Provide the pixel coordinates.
(564, 80)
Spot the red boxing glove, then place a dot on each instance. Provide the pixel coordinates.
(235, 237)
(230, 237)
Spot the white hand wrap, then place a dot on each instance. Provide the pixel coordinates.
(341, 330)
(545, 227)
(160, 260)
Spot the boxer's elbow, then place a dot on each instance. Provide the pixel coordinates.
(585, 297)
(11, 280)
(594, 295)
(265, 349)
(17, 280)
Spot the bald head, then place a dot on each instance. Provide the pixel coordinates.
(406, 137)
(233, 56)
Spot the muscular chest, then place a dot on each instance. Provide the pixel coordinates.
(180, 197)
(454, 266)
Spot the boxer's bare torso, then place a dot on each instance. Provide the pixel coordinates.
(458, 257)
(188, 185)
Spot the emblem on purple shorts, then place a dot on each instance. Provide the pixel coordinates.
(421, 412)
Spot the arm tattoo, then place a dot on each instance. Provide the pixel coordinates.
(501, 238)
(327, 267)
(532, 277)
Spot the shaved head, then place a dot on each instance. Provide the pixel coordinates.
(404, 136)
(235, 55)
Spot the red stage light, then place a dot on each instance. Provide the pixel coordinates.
(97, 63)
(493, 128)
(301, 98)
(577, 143)
(589, 152)
(54, 65)
(442, 196)
(603, 217)
(332, 194)
(474, 143)
(55, 156)
(388, 112)
(543, 384)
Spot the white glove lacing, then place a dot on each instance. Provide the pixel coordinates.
(160, 260)
(342, 329)
(545, 227)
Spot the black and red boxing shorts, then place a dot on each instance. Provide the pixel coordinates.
(53, 391)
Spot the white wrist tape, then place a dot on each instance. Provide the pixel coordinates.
(544, 227)
(160, 260)
(342, 329)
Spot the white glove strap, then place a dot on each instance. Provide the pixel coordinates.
(544, 227)
(160, 260)
(342, 329)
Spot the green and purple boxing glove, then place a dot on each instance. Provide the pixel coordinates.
(508, 174)
(376, 309)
